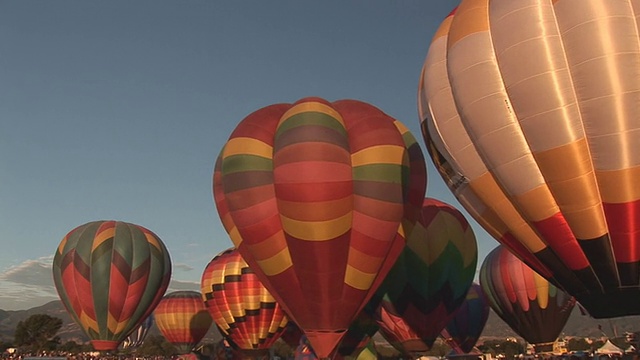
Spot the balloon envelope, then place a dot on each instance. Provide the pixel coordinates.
(464, 330)
(529, 304)
(430, 279)
(531, 117)
(313, 195)
(137, 337)
(182, 319)
(245, 312)
(110, 275)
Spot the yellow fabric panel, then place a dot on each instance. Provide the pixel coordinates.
(537, 204)
(317, 230)
(63, 243)
(311, 106)
(270, 246)
(401, 127)
(103, 236)
(571, 179)
(381, 154)
(247, 146)
(152, 240)
(235, 236)
(363, 261)
(358, 279)
(320, 211)
(87, 322)
(470, 17)
(542, 287)
(276, 264)
(619, 186)
(421, 240)
(488, 191)
(112, 323)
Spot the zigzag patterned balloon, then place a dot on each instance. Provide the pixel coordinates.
(110, 275)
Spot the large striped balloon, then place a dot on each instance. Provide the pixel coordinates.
(464, 330)
(529, 304)
(110, 275)
(531, 113)
(183, 319)
(245, 312)
(313, 195)
(430, 279)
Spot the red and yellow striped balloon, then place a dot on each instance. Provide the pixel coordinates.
(182, 319)
(110, 275)
(245, 312)
(530, 110)
(313, 195)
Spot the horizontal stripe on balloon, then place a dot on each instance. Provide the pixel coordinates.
(381, 154)
(316, 211)
(317, 230)
(313, 192)
(384, 191)
(275, 264)
(244, 198)
(378, 209)
(246, 179)
(317, 172)
(312, 151)
(358, 279)
(247, 146)
(310, 118)
(392, 173)
(310, 133)
(243, 163)
(314, 107)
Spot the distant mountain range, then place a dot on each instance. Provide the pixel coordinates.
(578, 325)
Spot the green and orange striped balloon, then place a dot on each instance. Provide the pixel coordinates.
(244, 310)
(183, 319)
(110, 275)
(313, 195)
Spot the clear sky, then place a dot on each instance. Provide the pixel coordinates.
(118, 109)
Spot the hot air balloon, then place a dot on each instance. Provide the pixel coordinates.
(136, 338)
(430, 279)
(313, 195)
(529, 304)
(530, 113)
(183, 319)
(463, 331)
(244, 311)
(399, 334)
(110, 275)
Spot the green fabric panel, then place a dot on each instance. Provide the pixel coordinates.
(311, 118)
(390, 173)
(242, 163)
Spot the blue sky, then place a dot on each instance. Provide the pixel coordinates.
(117, 110)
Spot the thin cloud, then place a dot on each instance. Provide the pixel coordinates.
(182, 266)
(27, 285)
(176, 285)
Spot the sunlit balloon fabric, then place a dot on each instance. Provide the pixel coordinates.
(430, 279)
(529, 304)
(464, 330)
(183, 319)
(313, 195)
(110, 276)
(245, 312)
(530, 110)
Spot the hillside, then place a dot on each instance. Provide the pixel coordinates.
(70, 330)
(578, 325)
